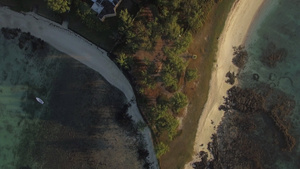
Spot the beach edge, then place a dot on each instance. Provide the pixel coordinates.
(237, 26)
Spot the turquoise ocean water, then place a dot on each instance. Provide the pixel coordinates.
(278, 29)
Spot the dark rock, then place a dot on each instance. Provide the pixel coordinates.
(244, 100)
(255, 77)
(271, 56)
(240, 56)
(26, 41)
(231, 78)
(10, 33)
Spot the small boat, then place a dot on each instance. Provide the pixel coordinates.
(39, 100)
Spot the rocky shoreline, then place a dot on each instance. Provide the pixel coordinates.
(255, 129)
(30, 44)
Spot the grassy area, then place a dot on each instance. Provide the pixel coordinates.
(101, 38)
(181, 149)
(29, 5)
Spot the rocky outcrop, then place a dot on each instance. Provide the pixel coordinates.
(240, 56)
(28, 41)
(253, 131)
(271, 55)
(30, 44)
(243, 100)
(10, 33)
(231, 77)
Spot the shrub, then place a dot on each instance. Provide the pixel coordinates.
(60, 6)
(178, 101)
(125, 61)
(161, 149)
(164, 120)
(191, 74)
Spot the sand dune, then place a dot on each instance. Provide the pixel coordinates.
(82, 50)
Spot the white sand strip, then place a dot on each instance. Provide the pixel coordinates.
(82, 50)
(235, 31)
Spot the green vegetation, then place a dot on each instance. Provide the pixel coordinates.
(172, 70)
(87, 16)
(84, 21)
(191, 74)
(173, 21)
(164, 121)
(60, 6)
(127, 32)
(125, 61)
(169, 80)
(178, 101)
(161, 149)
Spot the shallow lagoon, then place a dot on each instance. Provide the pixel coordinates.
(279, 29)
(76, 127)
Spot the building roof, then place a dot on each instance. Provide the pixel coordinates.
(105, 8)
(97, 7)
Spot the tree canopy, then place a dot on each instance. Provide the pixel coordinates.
(191, 74)
(60, 6)
(161, 149)
(164, 121)
(178, 101)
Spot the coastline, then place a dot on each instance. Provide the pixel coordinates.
(82, 50)
(238, 24)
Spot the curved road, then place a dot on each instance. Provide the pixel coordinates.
(82, 50)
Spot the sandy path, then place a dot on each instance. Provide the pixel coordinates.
(235, 32)
(72, 44)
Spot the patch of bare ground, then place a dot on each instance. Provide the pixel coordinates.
(156, 56)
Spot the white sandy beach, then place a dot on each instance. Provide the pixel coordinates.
(234, 33)
(72, 44)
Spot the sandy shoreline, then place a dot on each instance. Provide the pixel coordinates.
(235, 32)
(82, 50)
